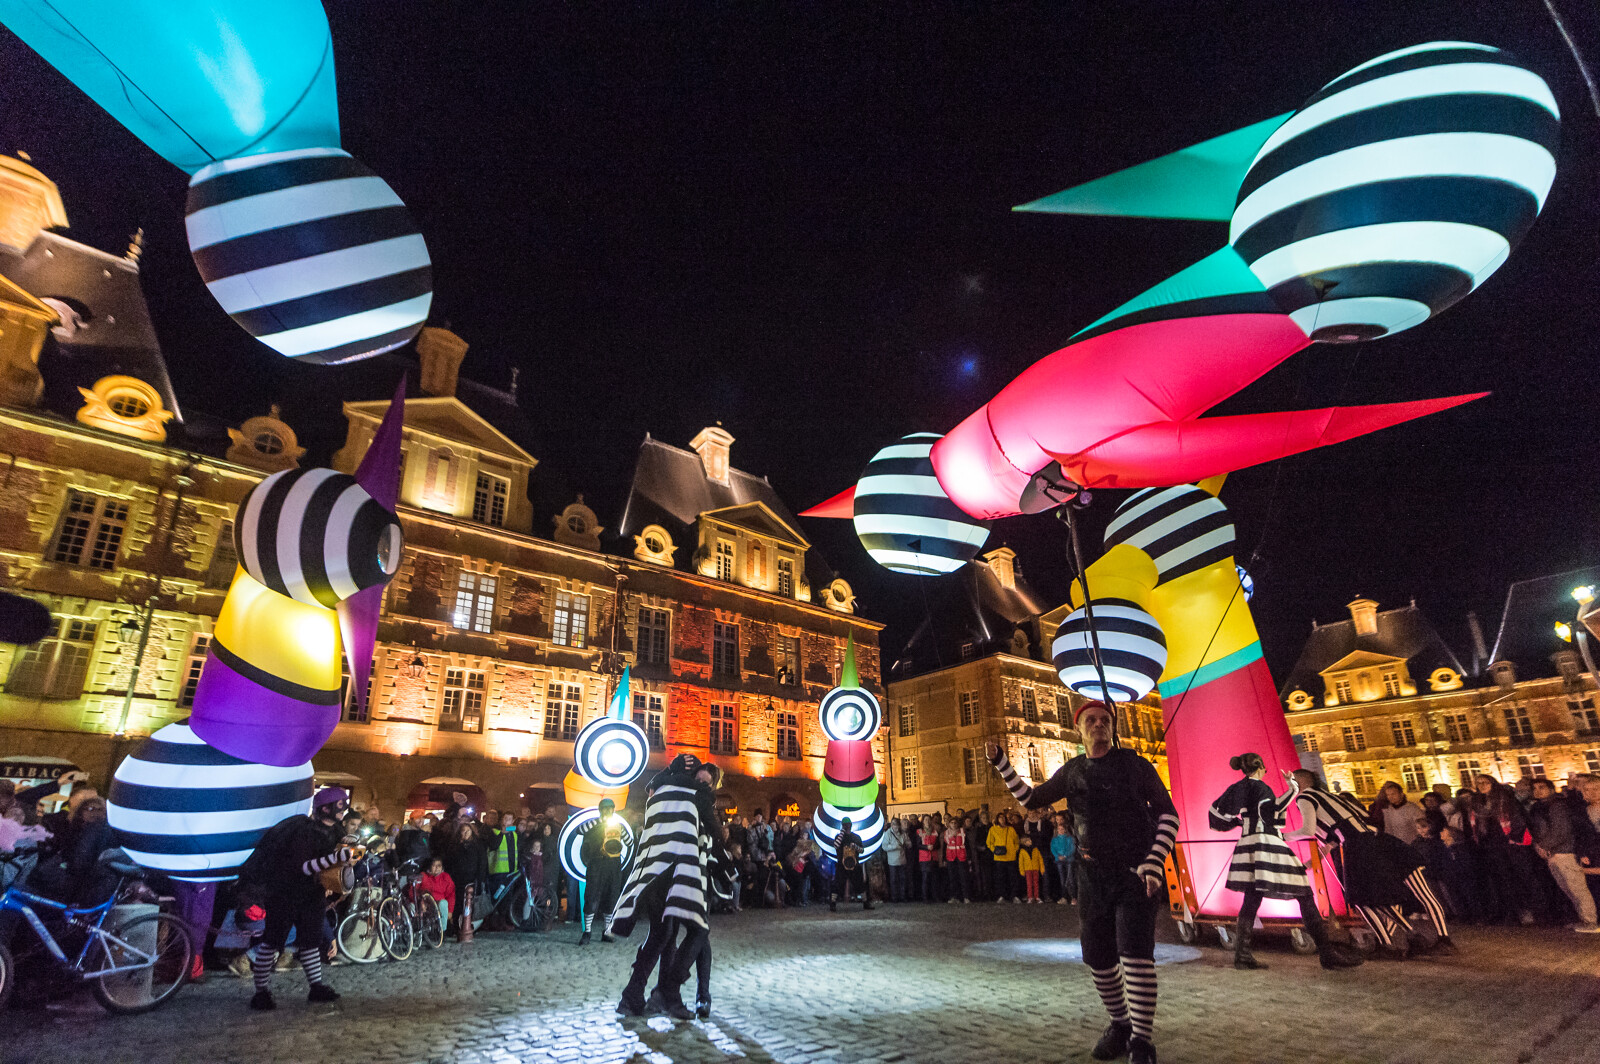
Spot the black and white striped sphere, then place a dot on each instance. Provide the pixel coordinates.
(1398, 189)
(849, 713)
(189, 810)
(1182, 528)
(311, 252)
(904, 518)
(570, 842)
(868, 821)
(610, 752)
(316, 536)
(1133, 651)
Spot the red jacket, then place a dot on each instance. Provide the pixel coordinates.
(439, 887)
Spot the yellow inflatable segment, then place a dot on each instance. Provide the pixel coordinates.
(282, 637)
(585, 795)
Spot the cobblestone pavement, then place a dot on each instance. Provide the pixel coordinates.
(906, 983)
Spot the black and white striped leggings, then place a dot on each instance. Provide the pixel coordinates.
(1387, 921)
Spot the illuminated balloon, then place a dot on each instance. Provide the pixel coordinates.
(1183, 529)
(867, 822)
(903, 517)
(316, 536)
(570, 842)
(849, 713)
(184, 808)
(1398, 188)
(610, 752)
(849, 774)
(1133, 651)
(311, 253)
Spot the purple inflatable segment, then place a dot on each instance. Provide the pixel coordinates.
(244, 719)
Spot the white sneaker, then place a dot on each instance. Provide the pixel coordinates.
(1587, 929)
(1000, 901)
(1017, 900)
(949, 901)
(966, 901)
(1061, 901)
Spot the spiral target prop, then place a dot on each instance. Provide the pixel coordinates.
(570, 842)
(611, 752)
(850, 714)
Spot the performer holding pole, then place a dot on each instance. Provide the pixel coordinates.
(1264, 866)
(1124, 822)
(1379, 870)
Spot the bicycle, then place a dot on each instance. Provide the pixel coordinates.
(376, 924)
(420, 908)
(527, 906)
(134, 968)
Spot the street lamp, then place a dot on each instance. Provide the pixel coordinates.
(416, 667)
(133, 626)
(1583, 596)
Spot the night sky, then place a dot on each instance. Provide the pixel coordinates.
(794, 219)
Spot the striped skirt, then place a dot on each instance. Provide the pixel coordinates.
(1264, 861)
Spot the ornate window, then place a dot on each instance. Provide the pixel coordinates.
(1530, 766)
(570, 624)
(786, 577)
(789, 660)
(908, 773)
(562, 705)
(191, 669)
(1403, 733)
(789, 736)
(649, 715)
(1341, 691)
(489, 500)
(724, 737)
(1035, 766)
(1355, 738)
(1362, 780)
(724, 649)
(57, 665)
(1391, 683)
(1468, 770)
(908, 719)
(224, 558)
(1414, 777)
(353, 713)
(1030, 706)
(724, 560)
(1591, 761)
(969, 765)
(969, 708)
(1518, 726)
(1456, 728)
(654, 627)
(474, 610)
(462, 707)
(91, 531)
(1584, 718)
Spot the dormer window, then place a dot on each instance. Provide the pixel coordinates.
(128, 405)
(786, 577)
(268, 443)
(125, 405)
(489, 500)
(724, 560)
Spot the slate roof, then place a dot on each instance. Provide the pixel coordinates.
(670, 488)
(115, 335)
(1527, 634)
(970, 606)
(1402, 633)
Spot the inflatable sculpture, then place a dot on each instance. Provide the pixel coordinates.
(1396, 190)
(302, 245)
(850, 718)
(610, 753)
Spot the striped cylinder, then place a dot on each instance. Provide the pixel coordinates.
(867, 821)
(311, 253)
(904, 518)
(610, 752)
(849, 713)
(1398, 188)
(849, 776)
(316, 536)
(570, 842)
(1133, 651)
(189, 810)
(1184, 529)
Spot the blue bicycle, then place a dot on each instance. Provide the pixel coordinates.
(132, 965)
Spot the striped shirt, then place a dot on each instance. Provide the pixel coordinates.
(1330, 816)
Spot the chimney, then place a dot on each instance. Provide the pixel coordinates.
(711, 444)
(1480, 650)
(1003, 563)
(440, 351)
(1364, 612)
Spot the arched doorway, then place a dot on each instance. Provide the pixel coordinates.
(783, 804)
(539, 799)
(434, 795)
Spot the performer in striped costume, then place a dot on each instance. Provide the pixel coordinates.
(1263, 865)
(668, 886)
(1124, 822)
(1379, 870)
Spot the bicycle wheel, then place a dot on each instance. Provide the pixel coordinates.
(8, 977)
(161, 935)
(394, 929)
(519, 906)
(430, 925)
(358, 936)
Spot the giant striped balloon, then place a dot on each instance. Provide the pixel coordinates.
(1184, 529)
(187, 809)
(1398, 188)
(867, 821)
(904, 518)
(1133, 651)
(316, 536)
(311, 252)
(610, 752)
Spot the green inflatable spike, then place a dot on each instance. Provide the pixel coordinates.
(845, 797)
(1218, 283)
(847, 674)
(1200, 181)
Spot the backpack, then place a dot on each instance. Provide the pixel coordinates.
(270, 853)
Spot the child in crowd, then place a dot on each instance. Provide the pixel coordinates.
(437, 884)
(1063, 850)
(1030, 862)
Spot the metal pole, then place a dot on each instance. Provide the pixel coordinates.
(138, 663)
